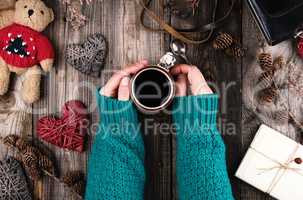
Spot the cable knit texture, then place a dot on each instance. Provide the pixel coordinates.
(116, 166)
(201, 164)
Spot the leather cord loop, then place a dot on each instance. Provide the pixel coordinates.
(184, 34)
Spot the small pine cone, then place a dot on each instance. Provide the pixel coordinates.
(21, 144)
(268, 95)
(266, 79)
(70, 178)
(10, 140)
(30, 157)
(266, 61)
(223, 41)
(46, 164)
(79, 187)
(279, 62)
(235, 51)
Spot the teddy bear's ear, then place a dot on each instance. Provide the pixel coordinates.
(52, 14)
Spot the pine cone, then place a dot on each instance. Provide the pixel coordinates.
(279, 62)
(79, 187)
(10, 140)
(33, 172)
(70, 178)
(268, 95)
(223, 41)
(21, 144)
(266, 61)
(266, 79)
(30, 157)
(235, 51)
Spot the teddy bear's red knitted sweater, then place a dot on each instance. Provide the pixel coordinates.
(21, 46)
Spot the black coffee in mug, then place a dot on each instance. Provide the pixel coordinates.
(152, 88)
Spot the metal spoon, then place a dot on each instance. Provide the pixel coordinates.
(179, 49)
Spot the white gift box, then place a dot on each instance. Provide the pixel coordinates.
(273, 164)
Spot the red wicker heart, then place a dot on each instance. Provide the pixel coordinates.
(65, 132)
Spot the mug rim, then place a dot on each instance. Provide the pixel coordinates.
(169, 98)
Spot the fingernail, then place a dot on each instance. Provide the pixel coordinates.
(125, 81)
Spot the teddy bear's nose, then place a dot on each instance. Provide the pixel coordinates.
(30, 12)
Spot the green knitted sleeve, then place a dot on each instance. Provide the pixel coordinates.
(201, 164)
(116, 164)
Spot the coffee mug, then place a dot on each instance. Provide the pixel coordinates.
(153, 88)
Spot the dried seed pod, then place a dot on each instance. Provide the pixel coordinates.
(10, 140)
(266, 61)
(79, 187)
(266, 79)
(268, 95)
(46, 164)
(279, 62)
(21, 144)
(235, 51)
(70, 178)
(223, 41)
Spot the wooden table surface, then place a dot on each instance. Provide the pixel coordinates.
(128, 42)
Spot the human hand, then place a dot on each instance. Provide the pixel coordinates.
(118, 84)
(190, 77)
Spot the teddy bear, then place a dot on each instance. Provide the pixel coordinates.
(23, 47)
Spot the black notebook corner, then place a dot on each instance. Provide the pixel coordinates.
(277, 19)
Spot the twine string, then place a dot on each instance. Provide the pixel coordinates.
(282, 168)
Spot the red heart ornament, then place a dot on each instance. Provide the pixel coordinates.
(65, 132)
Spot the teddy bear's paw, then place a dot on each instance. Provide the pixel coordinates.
(30, 98)
(31, 87)
(30, 94)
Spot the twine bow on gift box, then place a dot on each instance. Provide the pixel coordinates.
(281, 167)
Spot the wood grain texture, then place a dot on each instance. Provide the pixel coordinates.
(128, 42)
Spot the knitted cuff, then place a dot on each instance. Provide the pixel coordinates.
(113, 111)
(119, 124)
(191, 112)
